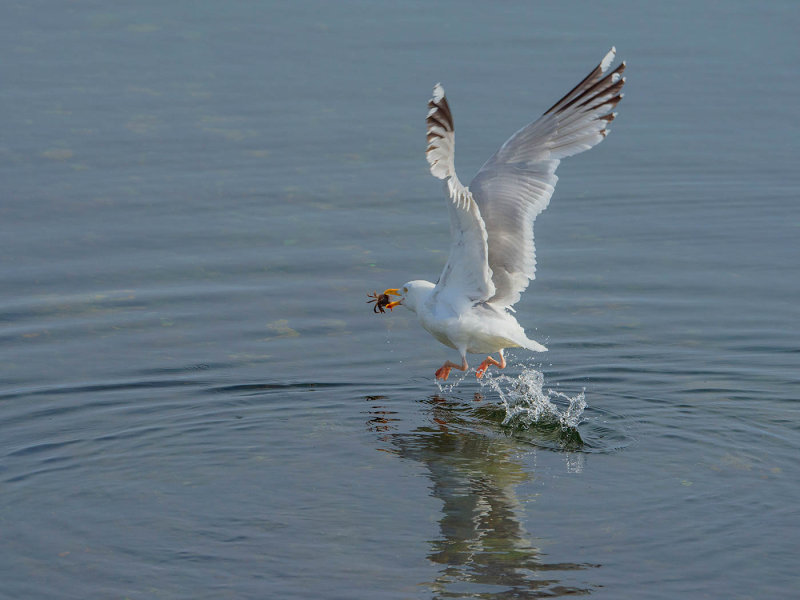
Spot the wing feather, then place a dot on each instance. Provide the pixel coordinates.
(466, 278)
(517, 182)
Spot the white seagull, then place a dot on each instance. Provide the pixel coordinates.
(492, 256)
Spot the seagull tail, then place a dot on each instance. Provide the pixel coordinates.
(534, 345)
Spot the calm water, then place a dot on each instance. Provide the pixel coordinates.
(197, 402)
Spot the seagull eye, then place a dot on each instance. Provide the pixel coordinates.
(405, 290)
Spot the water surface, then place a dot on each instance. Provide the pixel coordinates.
(196, 401)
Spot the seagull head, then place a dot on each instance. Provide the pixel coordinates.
(412, 295)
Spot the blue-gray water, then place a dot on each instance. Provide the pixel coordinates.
(197, 402)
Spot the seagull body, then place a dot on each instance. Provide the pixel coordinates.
(492, 254)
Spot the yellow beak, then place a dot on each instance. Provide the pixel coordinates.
(393, 292)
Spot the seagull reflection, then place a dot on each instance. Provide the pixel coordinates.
(484, 550)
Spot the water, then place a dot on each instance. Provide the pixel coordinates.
(197, 402)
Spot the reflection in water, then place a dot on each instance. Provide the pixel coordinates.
(484, 551)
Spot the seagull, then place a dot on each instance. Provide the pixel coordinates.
(492, 255)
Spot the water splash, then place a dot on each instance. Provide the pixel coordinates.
(456, 377)
(527, 402)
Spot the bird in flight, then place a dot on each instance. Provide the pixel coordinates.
(492, 254)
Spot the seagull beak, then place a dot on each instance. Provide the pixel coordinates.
(393, 292)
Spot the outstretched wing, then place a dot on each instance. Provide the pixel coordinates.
(516, 184)
(466, 277)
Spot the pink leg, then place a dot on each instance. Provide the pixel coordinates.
(444, 371)
(490, 361)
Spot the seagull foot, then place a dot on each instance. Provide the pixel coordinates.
(481, 370)
(444, 371)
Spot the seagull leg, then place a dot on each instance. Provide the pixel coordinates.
(444, 371)
(481, 371)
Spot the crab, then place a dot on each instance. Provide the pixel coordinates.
(382, 300)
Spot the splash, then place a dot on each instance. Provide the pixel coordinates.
(527, 402)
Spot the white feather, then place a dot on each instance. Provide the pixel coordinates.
(492, 255)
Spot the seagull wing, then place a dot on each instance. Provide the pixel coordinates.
(466, 278)
(516, 184)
